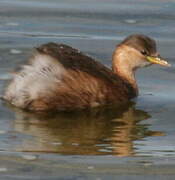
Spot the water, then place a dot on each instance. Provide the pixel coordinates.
(142, 128)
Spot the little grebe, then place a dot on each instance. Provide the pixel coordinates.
(58, 77)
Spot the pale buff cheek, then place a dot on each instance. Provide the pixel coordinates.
(128, 58)
(137, 60)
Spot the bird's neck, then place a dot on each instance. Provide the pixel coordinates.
(122, 67)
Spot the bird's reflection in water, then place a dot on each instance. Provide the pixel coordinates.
(110, 131)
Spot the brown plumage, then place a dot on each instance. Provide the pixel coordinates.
(59, 77)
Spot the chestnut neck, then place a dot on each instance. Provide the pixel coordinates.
(122, 66)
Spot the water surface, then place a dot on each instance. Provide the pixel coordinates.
(143, 128)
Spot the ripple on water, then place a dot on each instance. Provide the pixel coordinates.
(5, 76)
(15, 51)
(130, 21)
(12, 24)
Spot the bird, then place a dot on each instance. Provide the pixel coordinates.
(58, 77)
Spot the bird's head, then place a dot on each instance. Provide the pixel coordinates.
(138, 51)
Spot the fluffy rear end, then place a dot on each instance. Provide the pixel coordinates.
(34, 80)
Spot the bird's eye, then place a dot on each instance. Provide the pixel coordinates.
(144, 52)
